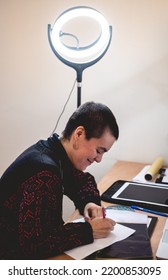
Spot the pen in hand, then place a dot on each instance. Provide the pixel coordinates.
(104, 212)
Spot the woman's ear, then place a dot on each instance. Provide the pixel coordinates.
(78, 134)
(80, 131)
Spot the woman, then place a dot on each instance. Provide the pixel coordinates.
(32, 188)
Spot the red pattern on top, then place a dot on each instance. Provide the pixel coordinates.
(37, 230)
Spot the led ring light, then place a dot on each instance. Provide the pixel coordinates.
(78, 57)
(98, 47)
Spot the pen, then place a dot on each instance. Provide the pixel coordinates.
(104, 212)
(149, 211)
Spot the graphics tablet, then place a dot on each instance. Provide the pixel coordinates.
(154, 197)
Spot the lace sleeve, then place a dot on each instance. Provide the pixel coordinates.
(84, 190)
(41, 230)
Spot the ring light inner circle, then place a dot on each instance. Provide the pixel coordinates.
(100, 44)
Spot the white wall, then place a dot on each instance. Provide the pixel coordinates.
(132, 78)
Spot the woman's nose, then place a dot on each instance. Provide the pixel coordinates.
(98, 158)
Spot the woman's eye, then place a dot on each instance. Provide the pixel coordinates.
(100, 151)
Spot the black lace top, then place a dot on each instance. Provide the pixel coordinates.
(31, 193)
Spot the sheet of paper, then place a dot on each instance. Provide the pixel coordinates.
(119, 233)
(124, 216)
(140, 177)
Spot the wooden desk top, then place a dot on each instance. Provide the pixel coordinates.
(123, 170)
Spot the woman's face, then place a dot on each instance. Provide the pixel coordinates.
(84, 152)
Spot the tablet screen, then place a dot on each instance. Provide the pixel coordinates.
(143, 193)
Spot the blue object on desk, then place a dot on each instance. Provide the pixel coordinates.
(149, 211)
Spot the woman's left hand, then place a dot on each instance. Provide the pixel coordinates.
(92, 211)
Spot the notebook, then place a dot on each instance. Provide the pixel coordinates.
(136, 246)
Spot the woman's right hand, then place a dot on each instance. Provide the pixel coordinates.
(101, 227)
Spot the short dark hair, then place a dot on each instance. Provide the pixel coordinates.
(95, 118)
